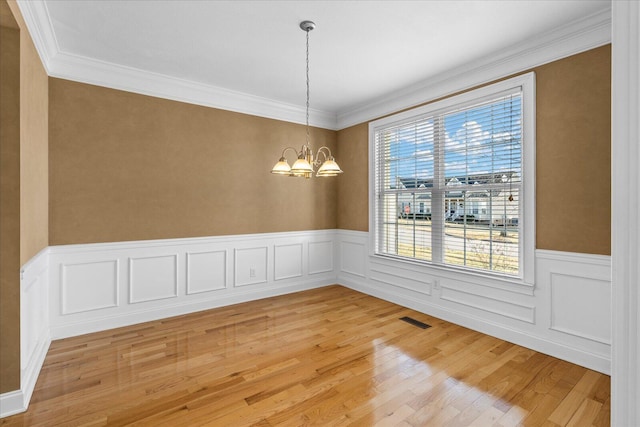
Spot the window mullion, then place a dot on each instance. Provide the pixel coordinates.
(437, 197)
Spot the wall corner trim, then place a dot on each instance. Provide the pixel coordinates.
(625, 232)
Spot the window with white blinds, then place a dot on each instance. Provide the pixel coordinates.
(448, 181)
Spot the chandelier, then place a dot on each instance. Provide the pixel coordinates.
(306, 162)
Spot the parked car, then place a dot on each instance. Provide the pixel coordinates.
(464, 218)
(416, 215)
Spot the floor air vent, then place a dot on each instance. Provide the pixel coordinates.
(415, 322)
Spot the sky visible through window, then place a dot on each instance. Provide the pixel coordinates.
(479, 140)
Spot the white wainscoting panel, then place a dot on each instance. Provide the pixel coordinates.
(107, 285)
(287, 261)
(402, 276)
(153, 278)
(34, 321)
(89, 286)
(578, 299)
(321, 257)
(206, 271)
(490, 304)
(591, 319)
(353, 256)
(565, 314)
(250, 266)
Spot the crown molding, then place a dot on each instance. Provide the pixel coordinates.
(36, 17)
(91, 71)
(88, 70)
(579, 36)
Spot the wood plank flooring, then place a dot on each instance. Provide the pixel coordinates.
(328, 357)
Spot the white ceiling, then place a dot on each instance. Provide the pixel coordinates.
(361, 52)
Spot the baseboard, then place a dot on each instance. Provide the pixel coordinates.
(29, 376)
(116, 320)
(15, 402)
(12, 402)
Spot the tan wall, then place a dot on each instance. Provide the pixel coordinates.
(573, 145)
(24, 218)
(573, 153)
(9, 209)
(124, 166)
(353, 188)
(34, 151)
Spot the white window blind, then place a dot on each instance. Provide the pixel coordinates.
(448, 183)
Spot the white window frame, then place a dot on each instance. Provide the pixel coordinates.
(527, 199)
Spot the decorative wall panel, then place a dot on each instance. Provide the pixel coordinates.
(153, 278)
(250, 266)
(206, 271)
(591, 318)
(320, 257)
(89, 286)
(287, 261)
(352, 257)
(489, 304)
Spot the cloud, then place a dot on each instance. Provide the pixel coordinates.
(423, 152)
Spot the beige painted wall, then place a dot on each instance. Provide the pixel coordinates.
(573, 153)
(353, 190)
(573, 145)
(9, 209)
(124, 166)
(24, 215)
(34, 151)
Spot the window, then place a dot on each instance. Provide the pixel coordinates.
(469, 162)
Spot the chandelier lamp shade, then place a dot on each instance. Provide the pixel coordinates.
(306, 162)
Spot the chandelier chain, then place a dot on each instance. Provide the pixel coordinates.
(307, 87)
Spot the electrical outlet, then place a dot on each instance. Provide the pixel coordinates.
(252, 272)
(436, 285)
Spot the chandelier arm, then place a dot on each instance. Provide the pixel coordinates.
(328, 150)
(287, 149)
(324, 154)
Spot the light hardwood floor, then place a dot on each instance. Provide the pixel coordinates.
(328, 357)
